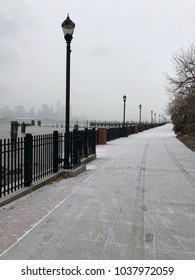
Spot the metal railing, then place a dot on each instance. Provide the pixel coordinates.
(24, 161)
(115, 130)
(11, 165)
(29, 159)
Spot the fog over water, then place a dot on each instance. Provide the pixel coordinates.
(47, 127)
(118, 47)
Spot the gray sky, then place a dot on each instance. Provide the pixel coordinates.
(119, 47)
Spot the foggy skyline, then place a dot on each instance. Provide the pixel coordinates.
(118, 47)
(45, 112)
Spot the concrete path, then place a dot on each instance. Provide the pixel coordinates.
(135, 201)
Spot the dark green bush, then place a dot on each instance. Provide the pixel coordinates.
(179, 129)
(184, 129)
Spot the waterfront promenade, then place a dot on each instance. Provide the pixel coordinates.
(135, 201)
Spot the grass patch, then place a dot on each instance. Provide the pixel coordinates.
(188, 140)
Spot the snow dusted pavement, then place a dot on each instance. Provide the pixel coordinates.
(135, 201)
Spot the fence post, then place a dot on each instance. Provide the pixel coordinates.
(76, 156)
(0, 167)
(28, 151)
(94, 140)
(86, 142)
(55, 151)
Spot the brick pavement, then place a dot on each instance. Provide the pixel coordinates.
(20, 216)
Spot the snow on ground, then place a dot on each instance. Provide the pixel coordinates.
(135, 201)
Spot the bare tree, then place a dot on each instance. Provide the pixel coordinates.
(176, 108)
(181, 87)
(183, 82)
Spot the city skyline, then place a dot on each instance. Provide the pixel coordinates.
(45, 111)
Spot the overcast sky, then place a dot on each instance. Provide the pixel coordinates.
(118, 47)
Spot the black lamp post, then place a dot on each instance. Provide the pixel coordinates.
(68, 29)
(140, 113)
(151, 117)
(124, 99)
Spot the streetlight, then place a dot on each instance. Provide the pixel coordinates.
(154, 118)
(140, 113)
(68, 29)
(124, 99)
(151, 117)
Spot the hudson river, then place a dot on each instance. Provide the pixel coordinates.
(47, 126)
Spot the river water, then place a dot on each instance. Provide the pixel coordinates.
(47, 126)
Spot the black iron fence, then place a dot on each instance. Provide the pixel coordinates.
(24, 161)
(116, 130)
(29, 159)
(11, 165)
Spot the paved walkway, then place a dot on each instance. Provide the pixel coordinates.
(135, 201)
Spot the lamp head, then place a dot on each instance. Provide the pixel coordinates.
(68, 28)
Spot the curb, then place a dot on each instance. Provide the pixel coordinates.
(49, 179)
